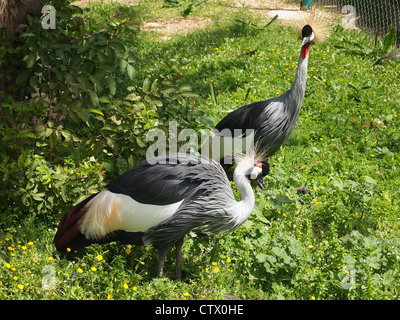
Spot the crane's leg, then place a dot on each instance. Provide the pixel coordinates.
(178, 246)
(162, 253)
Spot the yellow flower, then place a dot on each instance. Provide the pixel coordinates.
(128, 251)
(228, 260)
(186, 294)
(99, 257)
(8, 266)
(125, 286)
(20, 286)
(237, 281)
(10, 248)
(15, 278)
(68, 249)
(134, 288)
(216, 269)
(312, 298)
(93, 269)
(214, 263)
(23, 247)
(109, 296)
(50, 258)
(80, 270)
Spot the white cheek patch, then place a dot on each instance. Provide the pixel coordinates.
(255, 173)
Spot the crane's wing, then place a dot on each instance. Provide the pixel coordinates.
(243, 118)
(162, 180)
(208, 207)
(266, 118)
(251, 116)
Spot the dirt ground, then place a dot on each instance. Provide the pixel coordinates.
(287, 13)
(178, 25)
(87, 2)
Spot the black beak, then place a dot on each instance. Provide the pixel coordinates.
(260, 182)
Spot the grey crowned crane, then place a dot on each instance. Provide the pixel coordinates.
(271, 120)
(395, 54)
(158, 202)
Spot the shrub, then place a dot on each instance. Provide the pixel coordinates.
(77, 106)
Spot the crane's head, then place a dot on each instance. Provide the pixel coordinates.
(307, 34)
(253, 164)
(258, 173)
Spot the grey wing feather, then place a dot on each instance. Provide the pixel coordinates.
(206, 208)
(269, 120)
(160, 181)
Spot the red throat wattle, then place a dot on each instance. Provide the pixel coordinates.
(304, 51)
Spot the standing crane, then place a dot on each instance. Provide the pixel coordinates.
(272, 120)
(158, 202)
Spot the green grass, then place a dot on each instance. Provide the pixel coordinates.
(342, 244)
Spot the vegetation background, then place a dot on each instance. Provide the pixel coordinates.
(84, 95)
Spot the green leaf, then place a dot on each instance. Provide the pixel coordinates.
(388, 280)
(146, 85)
(131, 71)
(33, 81)
(370, 180)
(26, 134)
(389, 39)
(21, 161)
(131, 161)
(38, 196)
(104, 99)
(140, 143)
(283, 199)
(94, 98)
(154, 86)
(373, 262)
(97, 111)
(28, 35)
(117, 44)
(82, 115)
(114, 119)
(213, 96)
(208, 120)
(109, 166)
(111, 143)
(112, 85)
(281, 253)
(30, 59)
(269, 23)
(261, 257)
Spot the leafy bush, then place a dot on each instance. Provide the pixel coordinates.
(77, 106)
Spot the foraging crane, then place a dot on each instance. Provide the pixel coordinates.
(395, 54)
(158, 202)
(272, 120)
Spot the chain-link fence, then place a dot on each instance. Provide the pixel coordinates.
(376, 16)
